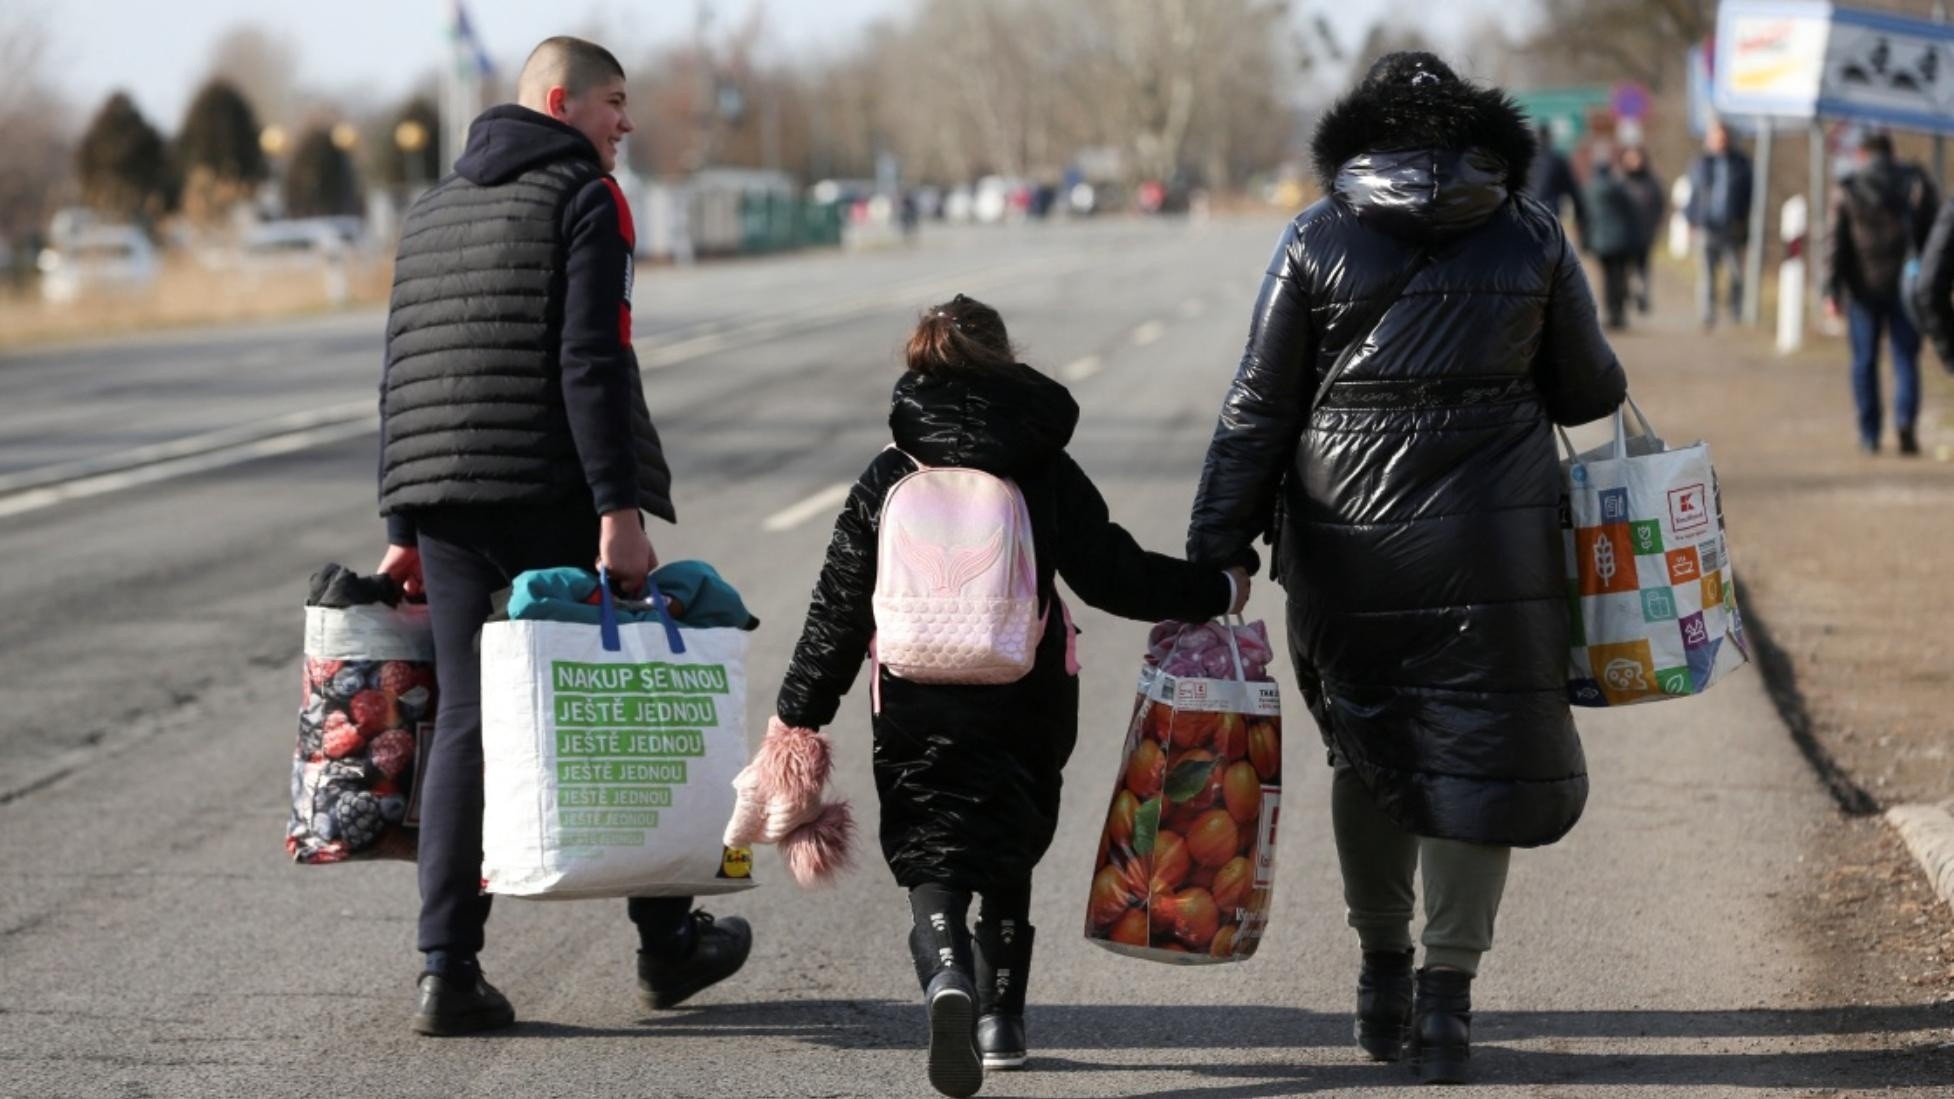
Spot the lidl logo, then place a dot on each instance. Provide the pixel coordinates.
(1689, 508)
(736, 862)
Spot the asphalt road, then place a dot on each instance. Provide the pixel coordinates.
(154, 941)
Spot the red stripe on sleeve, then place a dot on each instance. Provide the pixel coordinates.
(624, 224)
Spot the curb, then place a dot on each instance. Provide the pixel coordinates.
(1781, 684)
(1929, 833)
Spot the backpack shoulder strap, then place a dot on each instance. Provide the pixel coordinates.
(1380, 305)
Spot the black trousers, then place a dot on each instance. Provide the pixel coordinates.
(467, 554)
(1614, 287)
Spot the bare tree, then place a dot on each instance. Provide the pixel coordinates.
(33, 127)
(263, 67)
(1643, 40)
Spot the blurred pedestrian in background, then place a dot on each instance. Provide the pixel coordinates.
(1880, 217)
(1614, 234)
(1551, 178)
(1651, 201)
(1719, 217)
(1934, 294)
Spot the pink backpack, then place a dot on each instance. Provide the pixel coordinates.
(956, 582)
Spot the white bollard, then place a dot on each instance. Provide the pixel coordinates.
(1792, 223)
(1679, 221)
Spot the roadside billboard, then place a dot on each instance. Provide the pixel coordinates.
(1807, 59)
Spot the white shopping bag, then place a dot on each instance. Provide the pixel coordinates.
(608, 757)
(1649, 578)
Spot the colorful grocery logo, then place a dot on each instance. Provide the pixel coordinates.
(1695, 633)
(1647, 536)
(1689, 508)
(1683, 567)
(1626, 670)
(1658, 605)
(1624, 674)
(1614, 506)
(1675, 681)
(1604, 560)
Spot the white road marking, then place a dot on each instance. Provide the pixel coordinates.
(200, 443)
(916, 295)
(1081, 369)
(1148, 333)
(790, 517)
(82, 488)
(33, 489)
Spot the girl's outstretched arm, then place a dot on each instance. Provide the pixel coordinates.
(840, 619)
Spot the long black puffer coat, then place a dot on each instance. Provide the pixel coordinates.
(1420, 540)
(969, 776)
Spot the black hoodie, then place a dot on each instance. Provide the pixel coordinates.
(600, 379)
(969, 776)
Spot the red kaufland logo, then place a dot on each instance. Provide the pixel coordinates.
(1686, 508)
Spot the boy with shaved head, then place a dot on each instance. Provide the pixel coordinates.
(514, 436)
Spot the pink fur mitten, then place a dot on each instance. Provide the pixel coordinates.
(778, 800)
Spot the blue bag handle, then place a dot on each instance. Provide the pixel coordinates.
(607, 615)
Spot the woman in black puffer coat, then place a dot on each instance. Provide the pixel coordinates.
(969, 776)
(1415, 514)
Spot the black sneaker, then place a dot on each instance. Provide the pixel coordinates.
(1909, 442)
(719, 949)
(450, 1006)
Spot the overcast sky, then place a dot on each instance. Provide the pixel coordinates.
(159, 50)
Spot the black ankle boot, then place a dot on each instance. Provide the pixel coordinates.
(1003, 967)
(1384, 1003)
(1441, 1032)
(941, 950)
(1909, 442)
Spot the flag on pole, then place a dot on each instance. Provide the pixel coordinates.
(461, 80)
(467, 44)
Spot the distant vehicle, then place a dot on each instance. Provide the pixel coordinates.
(959, 205)
(97, 259)
(846, 192)
(298, 244)
(999, 197)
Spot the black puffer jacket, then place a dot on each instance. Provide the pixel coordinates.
(510, 378)
(969, 776)
(1880, 218)
(1420, 543)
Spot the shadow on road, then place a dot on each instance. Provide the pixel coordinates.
(1073, 1028)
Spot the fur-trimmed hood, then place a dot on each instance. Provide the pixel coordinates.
(1450, 115)
(1423, 161)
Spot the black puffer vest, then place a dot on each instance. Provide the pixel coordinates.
(473, 395)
